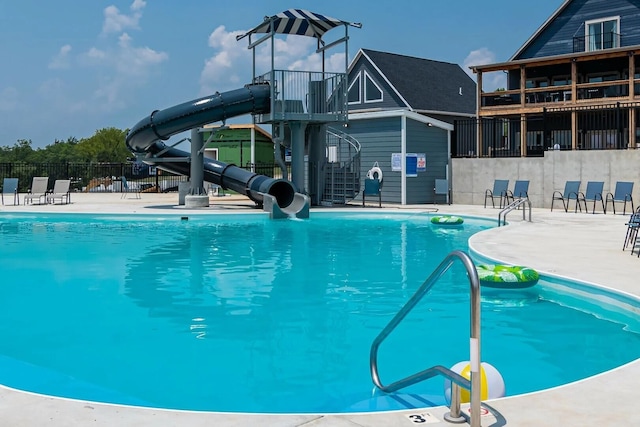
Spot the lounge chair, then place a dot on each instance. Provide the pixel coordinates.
(571, 190)
(127, 189)
(10, 187)
(621, 194)
(442, 189)
(372, 188)
(520, 191)
(60, 191)
(593, 193)
(499, 191)
(38, 190)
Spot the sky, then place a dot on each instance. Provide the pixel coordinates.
(69, 67)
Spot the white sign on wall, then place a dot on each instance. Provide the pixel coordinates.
(396, 162)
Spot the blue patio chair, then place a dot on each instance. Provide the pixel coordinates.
(520, 191)
(127, 189)
(372, 188)
(621, 194)
(10, 187)
(571, 190)
(593, 193)
(499, 191)
(442, 189)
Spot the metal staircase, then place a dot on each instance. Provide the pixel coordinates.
(342, 168)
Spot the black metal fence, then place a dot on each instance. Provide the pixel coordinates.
(100, 177)
(268, 169)
(596, 129)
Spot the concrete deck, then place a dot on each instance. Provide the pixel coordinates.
(581, 246)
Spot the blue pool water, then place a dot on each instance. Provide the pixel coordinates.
(241, 313)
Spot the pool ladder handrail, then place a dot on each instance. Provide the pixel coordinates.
(502, 215)
(457, 380)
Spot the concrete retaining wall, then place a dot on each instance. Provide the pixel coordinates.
(472, 177)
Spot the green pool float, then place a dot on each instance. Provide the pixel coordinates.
(446, 220)
(507, 276)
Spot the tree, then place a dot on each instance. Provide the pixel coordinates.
(107, 145)
(60, 152)
(20, 152)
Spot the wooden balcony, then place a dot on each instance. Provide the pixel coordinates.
(533, 100)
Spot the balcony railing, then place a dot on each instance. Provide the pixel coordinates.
(615, 90)
(594, 42)
(304, 95)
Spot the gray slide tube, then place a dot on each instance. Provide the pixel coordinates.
(147, 135)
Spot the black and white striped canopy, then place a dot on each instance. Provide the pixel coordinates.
(300, 22)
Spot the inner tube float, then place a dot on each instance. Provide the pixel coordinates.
(507, 276)
(447, 220)
(375, 173)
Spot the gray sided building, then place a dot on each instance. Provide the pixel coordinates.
(402, 110)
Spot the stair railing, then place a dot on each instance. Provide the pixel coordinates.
(457, 380)
(342, 171)
(502, 215)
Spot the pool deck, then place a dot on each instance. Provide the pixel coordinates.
(577, 245)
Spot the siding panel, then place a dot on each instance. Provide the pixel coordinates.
(557, 38)
(433, 142)
(379, 138)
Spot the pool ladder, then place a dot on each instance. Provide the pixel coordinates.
(502, 215)
(457, 380)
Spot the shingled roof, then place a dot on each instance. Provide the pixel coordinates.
(425, 84)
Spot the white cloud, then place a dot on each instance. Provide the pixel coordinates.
(480, 56)
(490, 81)
(120, 67)
(61, 60)
(230, 64)
(115, 22)
(138, 5)
(9, 98)
(123, 67)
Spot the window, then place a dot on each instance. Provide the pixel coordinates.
(602, 77)
(355, 91)
(536, 82)
(561, 81)
(372, 93)
(602, 33)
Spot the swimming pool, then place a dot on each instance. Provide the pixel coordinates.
(239, 313)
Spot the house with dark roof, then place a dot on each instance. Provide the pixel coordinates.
(574, 84)
(570, 110)
(402, 110)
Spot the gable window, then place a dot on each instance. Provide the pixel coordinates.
(602, 33)
(372, 92)
(355, 91)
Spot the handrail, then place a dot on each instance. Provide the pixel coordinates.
(474, 349)
(514, 205)
(347, 186)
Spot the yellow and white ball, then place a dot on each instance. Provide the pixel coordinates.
(491, 382)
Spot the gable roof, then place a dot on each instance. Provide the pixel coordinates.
(425, 85)
(535, 35)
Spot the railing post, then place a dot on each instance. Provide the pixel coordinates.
(454, 415)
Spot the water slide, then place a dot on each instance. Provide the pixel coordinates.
(277, 196)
